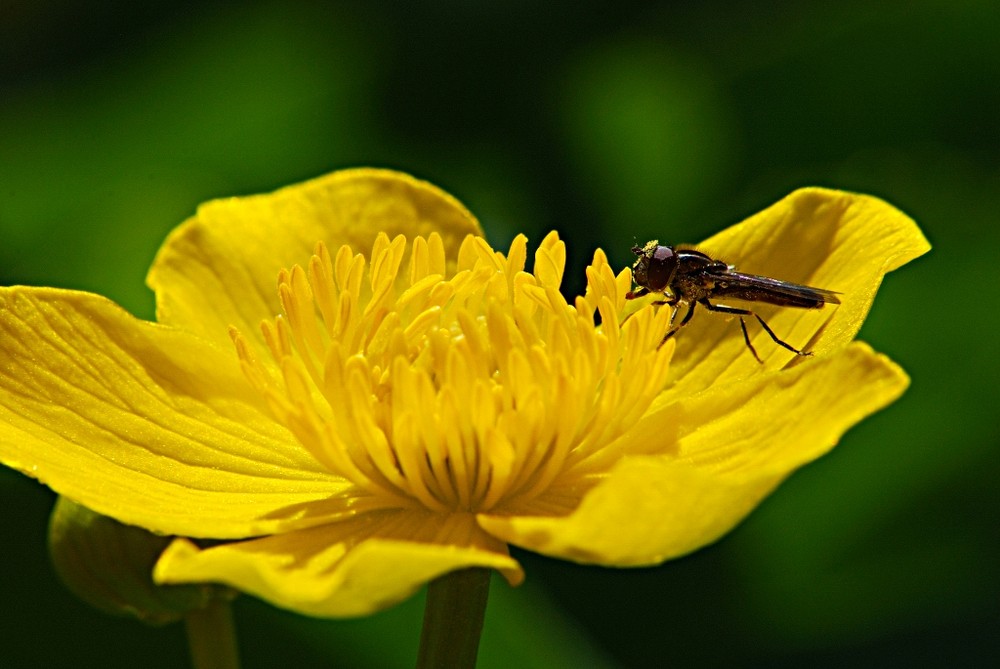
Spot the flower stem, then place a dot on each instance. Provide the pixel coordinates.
(212, 636)
(453, 619)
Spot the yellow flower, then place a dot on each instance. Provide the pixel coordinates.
(422, 401)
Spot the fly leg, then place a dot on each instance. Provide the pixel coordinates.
(684, 321)
(671, 301)
(642, 292)
(746, 336)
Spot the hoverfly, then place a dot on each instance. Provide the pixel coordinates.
(689, 277)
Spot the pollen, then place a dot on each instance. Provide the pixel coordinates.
(456, 385)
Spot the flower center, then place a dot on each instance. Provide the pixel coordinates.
(462, 387)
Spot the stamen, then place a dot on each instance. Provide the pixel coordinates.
(468, 388)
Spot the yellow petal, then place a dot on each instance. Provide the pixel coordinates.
(778, 421)
(817, 237)
(735, 444)
(350, 568)
(647, 511)
(144, 423)
(218, 268)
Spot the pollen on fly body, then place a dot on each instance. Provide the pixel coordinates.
(688, 277)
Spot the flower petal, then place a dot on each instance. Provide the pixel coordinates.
(350, 568)
(735, 444)
(816, 237)
(758, 427)
(218, 268)
(144, 423)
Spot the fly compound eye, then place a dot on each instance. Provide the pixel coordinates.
(660, 268)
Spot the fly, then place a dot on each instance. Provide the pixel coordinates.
(689, 277)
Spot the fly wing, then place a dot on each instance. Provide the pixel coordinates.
(754, 288)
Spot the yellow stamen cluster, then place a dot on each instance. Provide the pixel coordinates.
(456, 388)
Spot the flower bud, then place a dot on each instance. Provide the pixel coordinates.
(110, 565)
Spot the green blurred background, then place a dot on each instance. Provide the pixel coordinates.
(612, 125)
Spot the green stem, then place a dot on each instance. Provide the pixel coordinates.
(212, 636)
(453, 619)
